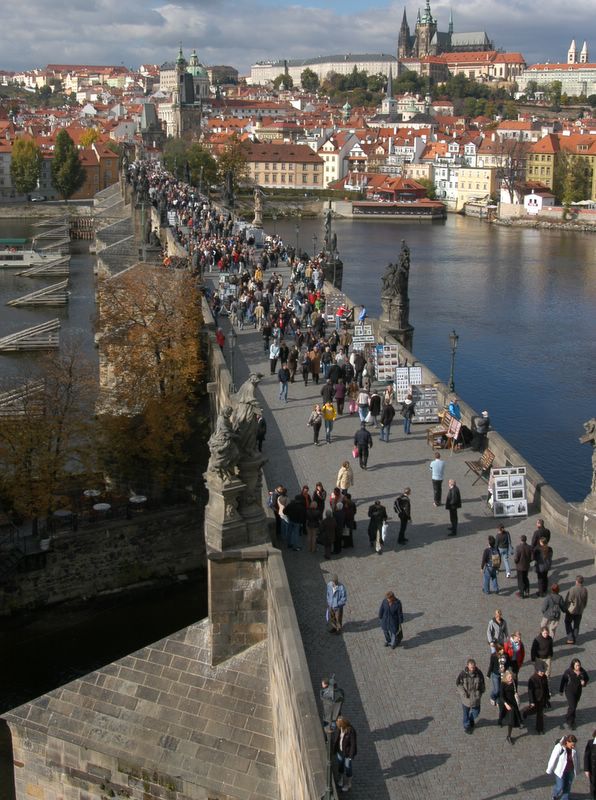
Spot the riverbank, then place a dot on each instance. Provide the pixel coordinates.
(545, 225)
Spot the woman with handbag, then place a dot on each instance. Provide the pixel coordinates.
(345, 750)
(509, 706)
(572, 683)
(315, 421)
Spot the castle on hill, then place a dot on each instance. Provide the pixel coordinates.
(428, 40)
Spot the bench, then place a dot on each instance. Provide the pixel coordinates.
(481, 468)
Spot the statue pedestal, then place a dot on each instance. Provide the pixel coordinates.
(394, 321)
(581, 522)
(333, 270)
(225, 528)
(249, 506)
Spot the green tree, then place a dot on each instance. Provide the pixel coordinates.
(284, 80)
(510, 110)
(203, 167)
(45, 92)
(233, 159)
(68, 173)
(89, 136)
(431, 191)
(592, 100)
(531, 89)
(470, 107)
(309, 80)
(25, 165)
(573, 179)
(554, 91)
(175, 153)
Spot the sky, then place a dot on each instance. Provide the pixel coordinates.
(240, 32)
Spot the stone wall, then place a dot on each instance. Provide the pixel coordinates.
(299, 742)
(109, 556)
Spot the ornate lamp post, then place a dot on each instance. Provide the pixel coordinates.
(274, 218)
(297, 229)
(453, 339)
(314, 245)
(232, 338)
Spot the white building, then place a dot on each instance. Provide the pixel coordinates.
(264, 72)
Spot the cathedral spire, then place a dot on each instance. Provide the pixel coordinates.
(583, 56)
(450, 29)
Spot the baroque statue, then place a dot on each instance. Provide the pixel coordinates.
(590, 437)
(397, 276)
(223, 446)
(246, 416)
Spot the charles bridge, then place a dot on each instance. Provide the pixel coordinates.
(227, 708)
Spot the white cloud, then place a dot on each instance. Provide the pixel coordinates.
(239, 32)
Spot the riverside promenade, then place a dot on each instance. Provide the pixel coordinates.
(404, 703)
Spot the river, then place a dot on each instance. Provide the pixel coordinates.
(523, 303)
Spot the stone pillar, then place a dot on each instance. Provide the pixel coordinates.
(250, 506)
(237, 601)
(394, 321)
(224, 526)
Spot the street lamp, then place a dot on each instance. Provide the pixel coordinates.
(453, 339)
(297, 237)
(274, 217)
(232, 341)
(314, 245)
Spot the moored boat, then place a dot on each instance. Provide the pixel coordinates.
(15, 253)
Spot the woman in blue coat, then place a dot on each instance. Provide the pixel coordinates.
(391, 616)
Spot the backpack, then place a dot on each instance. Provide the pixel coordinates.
(495, 559)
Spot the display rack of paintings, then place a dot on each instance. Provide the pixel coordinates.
(507, 489)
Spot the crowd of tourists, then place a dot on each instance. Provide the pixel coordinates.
(305, 340)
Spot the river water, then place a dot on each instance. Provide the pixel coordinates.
(523, 303)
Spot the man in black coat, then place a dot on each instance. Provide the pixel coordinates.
(328, 392)
(387, 415)
(538, 695)
(523, 559)
(363, 441)
(295, 511)
(452, 503)
(403, 509)
(590, 763)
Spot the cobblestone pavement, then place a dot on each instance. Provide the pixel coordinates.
(403, 703)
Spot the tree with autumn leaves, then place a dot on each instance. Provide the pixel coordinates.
(149, 338)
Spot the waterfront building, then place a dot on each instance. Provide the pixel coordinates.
(278, 165)
(544, 155)
(475, 183)
(334, 151)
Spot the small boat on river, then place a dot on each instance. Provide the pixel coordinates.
(15, 253)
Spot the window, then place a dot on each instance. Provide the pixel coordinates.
(304, 177)
(315, 178)
(283, 178)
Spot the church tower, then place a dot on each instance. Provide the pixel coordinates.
(425, 30)
(571, 54)
(583, 56)
(404, 43)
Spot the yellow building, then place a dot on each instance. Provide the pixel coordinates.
(544, 154)
(277, 165)
(475, 183)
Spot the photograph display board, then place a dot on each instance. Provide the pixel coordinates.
(426, 404)
(508, 488)
(406, 378)
(386, 361)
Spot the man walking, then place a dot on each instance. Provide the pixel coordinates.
(470, 685)
(363, 441)
(284, 379)
(387, 415)
(538, 695)
(377, 514)
(452, 503)
(337, 597)
(391, 616)
(403, 509)
(437, 471)
(575, 604)
(523, 559)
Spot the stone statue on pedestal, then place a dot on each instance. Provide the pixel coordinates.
(246, 416)
(258, 218)
(223, 446)
(395, 319)
(590, 438)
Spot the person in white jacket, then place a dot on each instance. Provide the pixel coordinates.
(563, 764)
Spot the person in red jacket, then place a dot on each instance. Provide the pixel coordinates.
(514, 648)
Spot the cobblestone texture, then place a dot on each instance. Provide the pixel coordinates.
(403, 703)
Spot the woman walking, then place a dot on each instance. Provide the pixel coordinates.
(572, 683)
(407, 411)
(543, 557)
(353, 391)
(552, 608)
(315, 421)
(563, 763)
(345, 477)
(391, 616)
(319, 496)
(346, 750)
(329, 415)
(510, 713)
(499, 664)
(340, 396)
(313, 519)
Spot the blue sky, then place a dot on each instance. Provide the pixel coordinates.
(240, 32)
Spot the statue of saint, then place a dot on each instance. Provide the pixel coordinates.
(246, 416)
(328, 239)
(223, 446)
(403, 270)
(590, 437)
